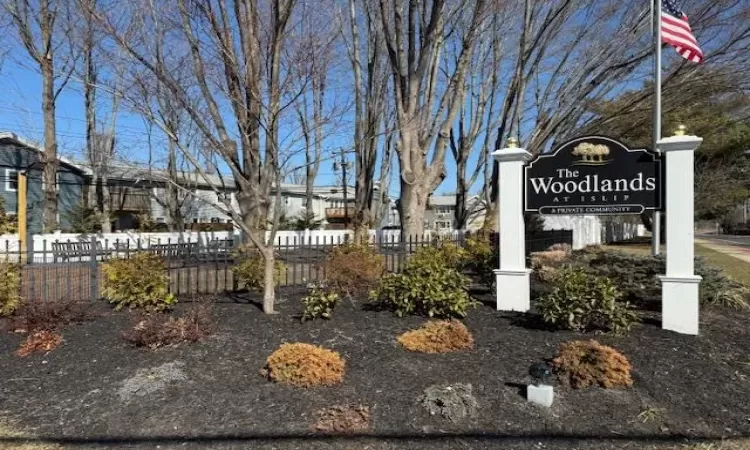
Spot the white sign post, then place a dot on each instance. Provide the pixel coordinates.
(512, 279)
(680, 299)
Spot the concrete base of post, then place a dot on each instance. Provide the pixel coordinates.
(680, 302)
(542, 394)
(513, 291)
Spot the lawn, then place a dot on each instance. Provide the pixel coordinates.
(96, 391)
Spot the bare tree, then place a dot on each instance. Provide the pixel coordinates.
(427, 99)
(369, 68)
(39, 25)
(235, 50)
(315, 111)
(476, 117)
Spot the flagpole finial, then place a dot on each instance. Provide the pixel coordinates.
(512, 142)
(681, 130)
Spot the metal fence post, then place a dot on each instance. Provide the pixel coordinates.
(94, 269)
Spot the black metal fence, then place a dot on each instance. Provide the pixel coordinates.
(72, 270)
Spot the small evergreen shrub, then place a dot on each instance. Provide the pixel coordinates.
(589, 363)
(161, 330)
(481, 259)
(8, 223)
(39, 342)
(304, 365)
(581, 302)
(250, 270)
(10, 288)
(319, 303)
(353, 269)
(138, 282)
(428, 286)
(636, 277)
(447, 252)
(442, 336)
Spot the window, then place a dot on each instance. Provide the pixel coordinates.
(11, 180)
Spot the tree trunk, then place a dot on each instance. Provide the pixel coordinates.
(106, 204)
(269, 285)
(460, 213)
(412, 206)
(49, 158)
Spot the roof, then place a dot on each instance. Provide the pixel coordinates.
(450, 200)
(8, 136)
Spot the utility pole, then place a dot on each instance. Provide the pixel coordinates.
(344, 165)
(22, 215)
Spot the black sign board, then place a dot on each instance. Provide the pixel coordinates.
(593, 175)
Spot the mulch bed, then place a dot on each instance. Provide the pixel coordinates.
(216, 397)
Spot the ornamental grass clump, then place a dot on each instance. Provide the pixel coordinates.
(588, 363)
(140, 281)
(352, 270)
(440, 336)
(305, 366)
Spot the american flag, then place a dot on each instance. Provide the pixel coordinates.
(675, 31)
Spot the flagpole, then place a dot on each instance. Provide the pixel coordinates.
(656, 27)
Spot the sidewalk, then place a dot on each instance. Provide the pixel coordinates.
(741, 253)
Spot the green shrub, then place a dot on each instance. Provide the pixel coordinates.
(319, 303)
(581, 302)
(481, 259)
(10, 287)
(448, 253)
(428, 286)
(8, 224)
(138, 282)
(353, 269)
(637, 277)
(250, 270)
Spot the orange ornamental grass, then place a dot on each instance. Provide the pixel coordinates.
(589, 363)
(304, 365)
(439, 336)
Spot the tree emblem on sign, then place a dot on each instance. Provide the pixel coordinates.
(591, 154)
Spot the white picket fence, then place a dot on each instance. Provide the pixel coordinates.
(42, 243)
(587, 230)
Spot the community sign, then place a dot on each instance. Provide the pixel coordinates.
(593, 175)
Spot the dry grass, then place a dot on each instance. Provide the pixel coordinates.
(441, 336)
(305, 365)
(39, 342)
(589, 363)
(344, 419)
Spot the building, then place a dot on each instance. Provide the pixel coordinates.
(136, 192)
(441, 213)
(18, 155)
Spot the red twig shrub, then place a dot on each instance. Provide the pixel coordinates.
(39, 341)
(353, 269)
(589, 363)
(48, 315)
(440, 336)
(305, 365)
(161, 330)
